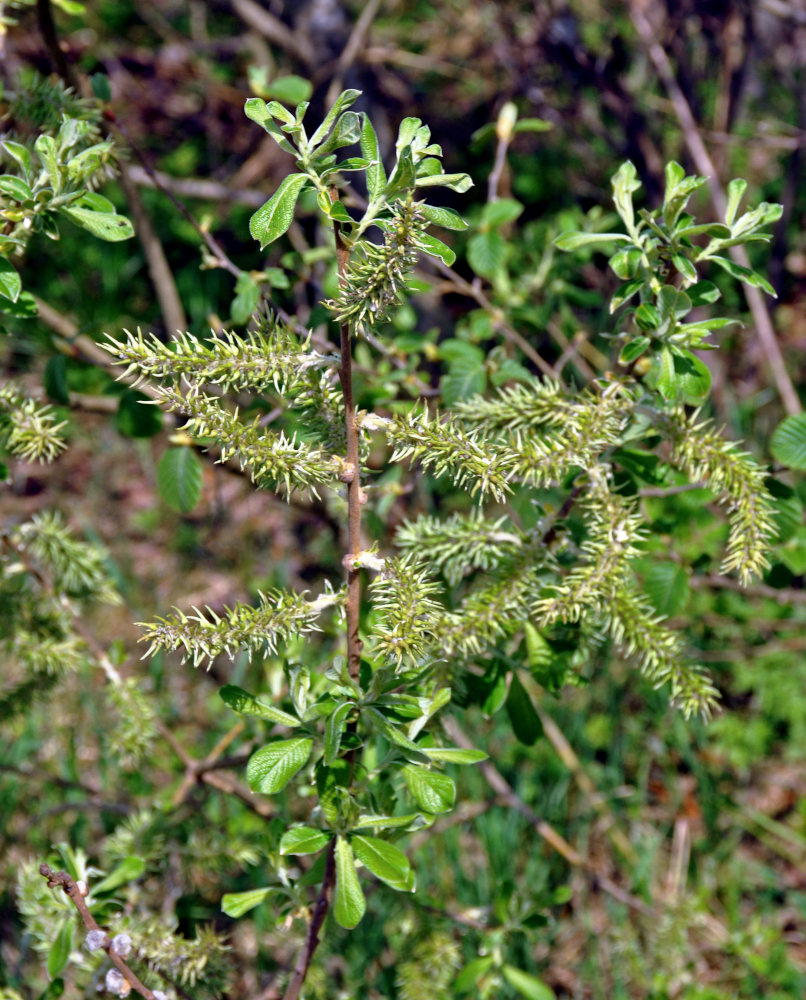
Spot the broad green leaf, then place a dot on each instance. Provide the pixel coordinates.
(464, 379)
(445, 217)
(432, 791)
(525, 721)
(647, 316)
(684, 266)
(127, 870)
(59, 953)
(392, 733)
(456, 182)
(487, 253)
(472, 973)
(366, 820)
(348, 899)
(137, 417)
(273, 219)
(247, 298)
(345, 100)
(692, 377)
(625, 292)
(15, 187)
(246, 704)
(376, 175)
(625, 263)
(788, 444)
(179, 478)
(290, 89)
(436, 248)
(303, 840)
(527, 985)
(736, 190)
(455, 755)
(703, 293)
(500, 212)
(10, 281)
(95, 203)
(235, 904)
(744, 274)
(633, 350)
(271, 767)
(666, 585)
(385, 861)
(334, 729)
(573, 241)
(105, 225)
(21, 154)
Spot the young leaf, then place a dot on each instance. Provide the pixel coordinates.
(692, 377)
(105, 225)
(436, 248)
(455, 755)
(736, 190)
(179, 479)
(366, 820)
(633, 350)
(527, 985)
(271, 767)
(499, 213)
(456, 182)
(10, 281)
(21, 154)
(445, 217)
(273, 219)
(525, 721)
(788, 444)
(259, 112)
(487, 253)
(385, 861)
(625, 182)
(59, 954)
(573, 241)
(345, 100)
(303, 840)
(472, 973)
(334, 729)
(432, 791)
(666, 585)
(127, 870)
(235, 904)
(376, 175)
(744, 274)
(246, 704)
(15, 187)
(348, 899)
(393, 734)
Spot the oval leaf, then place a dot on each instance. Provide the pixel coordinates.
(528, 986)
(445, 217)
(273, 219)
(525, 722)
(105, 225)
(348, 899)
(179, 479)
(128, 870)
(59, 954)
(788, 444)
(271, 767)
(666, 585)
(376, 175)
(436, 248)
(455, 755)
(432, 791)
(10, 281)
(303, 840)
(246, 704)
(385, 861)
(235, 904)
(573, 241)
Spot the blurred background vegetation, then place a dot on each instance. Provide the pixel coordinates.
(703, 825)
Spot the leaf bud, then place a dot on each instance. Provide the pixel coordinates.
(96, 939)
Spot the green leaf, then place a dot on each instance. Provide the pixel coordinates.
(334, 729)
(445, 217)
(259, 112)
(403, 175)
(744, 274)
(345, 100)
(455, 755)
(235, 904)
(633, 350)
(647, 316)
(366, 820)
(247, 298)
(532, 125)
(472, 973)
(666, 585)
(53, 991)
(487, 253)
(127, 870)
(625, 292)
(625, 263)
(244, 703)
(45, 145)
(105, 225)
(346, 133)
(393, 734)
(273, 219)
(179, 478)
(525, 721)
(456, 182)
(290, 89)
(788, 444)
(465, 378)
(10, 281)
(736, 190)
(59, 953)
(573, 240)
(15, 187)
(271, 767)
(500, 212)
(385, 861)
(703, 293)
(692, 377)
(528, 986)
(436, 248)
(376, 175)
(21, 154)
(432, 791)
(101, 87)
(348, 899)
(137, 417)
(303, 840)
(684, 266)
(625, 182)
(55, 380)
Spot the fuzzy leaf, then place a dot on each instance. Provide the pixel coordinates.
(15, 187)
(105, 225)
(271, 767)
(10, 281)
(385, 861)
(436, 248)
(235, 904)
(259, 112)
(456, 182)
(348, 899)
(736, 190)
(21, 154)
(179, 479)
(273, 219)
(345, 100)
(788, 444)
(334, 729)
(432, 791)
(445, 217)
(246, 704)
(303, 840)
(376, 175)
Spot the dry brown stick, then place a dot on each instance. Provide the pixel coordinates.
(358, 37)
(68, 884)
(501, 787)
(273, 29)
(705, 165)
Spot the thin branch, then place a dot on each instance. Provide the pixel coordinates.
(273, 29)
(68, 884)
(357, 39)
(320, 909)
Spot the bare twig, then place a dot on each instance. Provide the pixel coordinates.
(357, 39)
(317, 919)
(273, 29)
(68, 884)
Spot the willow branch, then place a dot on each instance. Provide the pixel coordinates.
(320, 909)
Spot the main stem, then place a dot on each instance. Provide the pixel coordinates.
(352, 607)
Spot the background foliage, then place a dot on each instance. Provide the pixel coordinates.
(700, 826)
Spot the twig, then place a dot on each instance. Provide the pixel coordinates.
(69, 885)
(705, 165)
(273, 29)
(357, 39)
(317, 919)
